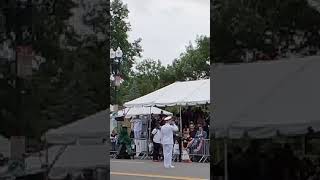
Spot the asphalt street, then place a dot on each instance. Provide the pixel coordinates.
(147, 169)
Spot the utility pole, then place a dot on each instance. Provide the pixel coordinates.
(116, 58)
(16, 15)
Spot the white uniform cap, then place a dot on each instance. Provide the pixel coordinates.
(168, 118)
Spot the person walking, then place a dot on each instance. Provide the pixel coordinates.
(156, 133)
(167, 140)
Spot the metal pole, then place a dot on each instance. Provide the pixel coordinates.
(47, 157)
(149, 140)
(181, 135)
(17, 87)
(149, 133)
(180, 121)
(115, 85)
(226, 158)
(304, 145)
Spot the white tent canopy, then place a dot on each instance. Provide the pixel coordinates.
(69, 159)
(134, 111)
(266, 98)
(178, 93)
(76, 158)
(94, 126)
(129, 112)
(35, 161)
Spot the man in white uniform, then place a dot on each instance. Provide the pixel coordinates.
(167, 141)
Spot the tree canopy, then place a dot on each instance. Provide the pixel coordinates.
(71, 84)
(73, 81)
(266, 29)
(119, 29)
(150, 75)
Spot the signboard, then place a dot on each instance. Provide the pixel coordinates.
(25, 56)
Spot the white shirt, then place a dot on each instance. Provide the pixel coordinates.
(167, 133)
(137, 124)
(157, 135)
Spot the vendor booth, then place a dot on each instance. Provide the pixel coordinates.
(128, 113)
(143, 113)
(188, 93)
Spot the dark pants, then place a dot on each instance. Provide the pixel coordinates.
(123, 151)
(113, 146)
(156, 151)
(180, 148)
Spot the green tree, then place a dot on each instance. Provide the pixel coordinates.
(134, 91)
(145, 79)
(193, 64)
(151, 75)
(45, 22)
(265, 29)
(71, 84)
(120, 26)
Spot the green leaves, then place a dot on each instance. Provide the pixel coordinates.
(80, 89)
(151, 75)
(240, 26)
(120, 26)
(192, 64)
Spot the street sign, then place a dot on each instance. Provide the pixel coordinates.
(25, 56)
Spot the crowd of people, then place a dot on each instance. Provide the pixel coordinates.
(276, 161)
(195, 131)
(189, 143)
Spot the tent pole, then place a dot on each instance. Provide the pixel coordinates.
(181, 135)
(47, 157)
(149, 140)
(303, 145)
(226, 157)
(149, 133)
(180, 121)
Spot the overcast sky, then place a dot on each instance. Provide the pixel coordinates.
(167, 26)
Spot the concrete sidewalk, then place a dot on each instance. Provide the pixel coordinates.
(147, 169)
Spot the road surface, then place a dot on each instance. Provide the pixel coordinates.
(147, 170)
